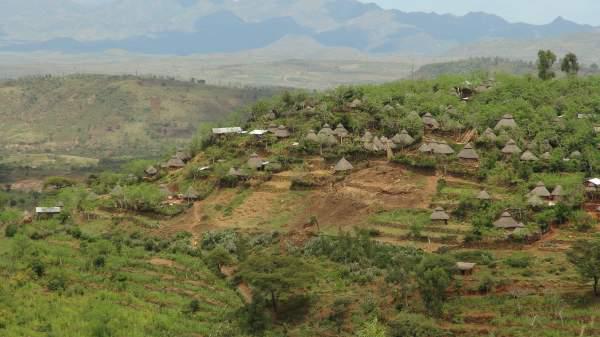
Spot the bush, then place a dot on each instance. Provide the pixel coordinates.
(11, 230)
(487, 283)
(519, 260)
(414, 325)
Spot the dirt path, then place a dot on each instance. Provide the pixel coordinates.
(242, 288)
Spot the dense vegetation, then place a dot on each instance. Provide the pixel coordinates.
(118, 261)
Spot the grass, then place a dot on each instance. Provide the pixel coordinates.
(406, 217)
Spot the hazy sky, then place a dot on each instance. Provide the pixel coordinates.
(531, 11)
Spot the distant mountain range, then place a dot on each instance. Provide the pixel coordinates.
(185, 27)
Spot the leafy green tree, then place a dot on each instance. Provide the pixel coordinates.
(570, 64)
(546, 59)
(585, 256)
(434, 275)
(218, 258)
(276, 275)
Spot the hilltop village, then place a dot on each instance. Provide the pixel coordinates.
(448, 207)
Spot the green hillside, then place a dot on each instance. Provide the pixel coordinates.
(99, 117)
(275, 235)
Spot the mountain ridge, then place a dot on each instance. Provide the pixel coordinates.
(199, 27)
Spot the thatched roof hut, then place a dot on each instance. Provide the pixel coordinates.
(575, 155)
(507, 121)
(430, 122)
(326, 130)
(184, 156)
(403, 139)
(441, 147)
(489, 135)
(175, 163)
(255, 162)
(116, 191)
(439, 215)
(191, 194)
(511, 148)
(535, 201)
(484, 195)
(540, 190)
(272, 128)
(528, 156)
(343, 165)
(331, 140)
(558, 192)
(282, 132)
(236, 172)
(468, 153)
(378, 144)
(506, 221)
(341, 131)
(425, 148)
(311, 136)
(367, 137)
(546, 156)
(151, 171)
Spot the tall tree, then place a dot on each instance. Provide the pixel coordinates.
(434, 275)
(276, 275)
(570, 64)
(585, 256)
(546, 60)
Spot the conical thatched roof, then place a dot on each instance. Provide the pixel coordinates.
(151, 171)
(191, 194)
(425, 148)
(484, 195)
(403, 139)
(546, 156)
(575, 155)
(540, 190)
(442, 147)
(468, 153)
(175, 163)
(439, 215)
(343, 165)
(430, 122)
(331, 140)
(507, 121)
(282, 132)
(369, 146)
(237, 172)
(528, 156)
(254, 161)
(340, 131)
(367, 137)
(312, 136)
(511, 148)
(184, 156)
(506, 221)
(272, 128)
(326, 130)
(378, 144)
(535, 201)
(489, 135)
(558, 191)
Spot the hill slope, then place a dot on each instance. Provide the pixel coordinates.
(109, 116)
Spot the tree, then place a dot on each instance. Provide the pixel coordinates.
(585, 256)
(434, 275)
(275, 275)
(570, 64)
(546, 59)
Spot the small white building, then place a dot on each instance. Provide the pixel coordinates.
(227, 131)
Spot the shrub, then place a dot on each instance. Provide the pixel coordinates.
(11, 230)
(414, 325)
(519, 260)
